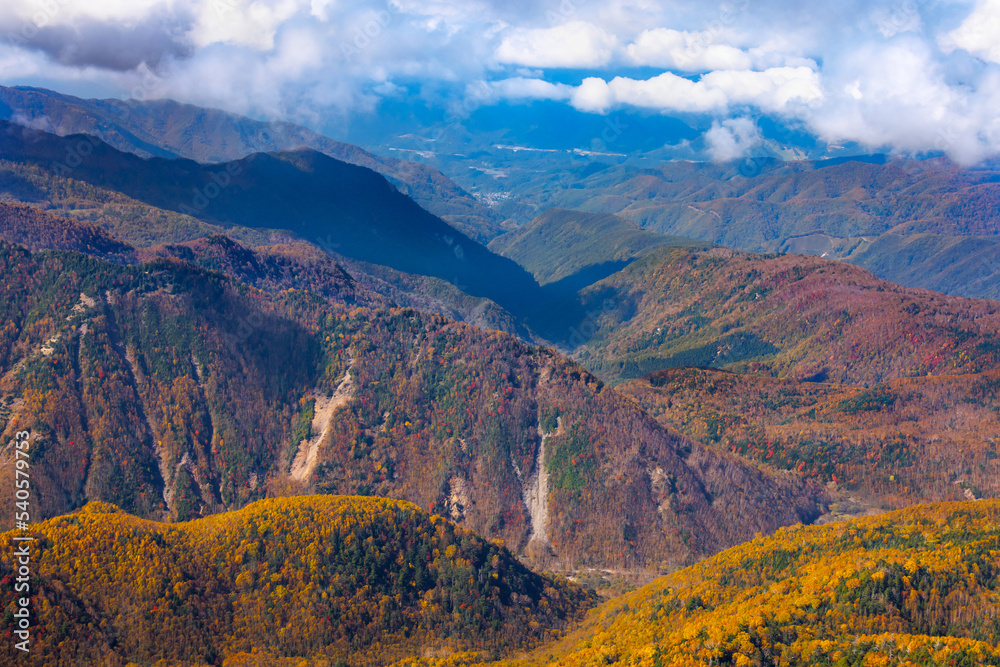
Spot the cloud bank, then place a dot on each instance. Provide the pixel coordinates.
(909, 75)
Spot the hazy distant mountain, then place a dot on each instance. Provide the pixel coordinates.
(766, 208)
(573, 249)
(925, 210)
(447, 137)
(342, 207)
(962, 265)
(164, 128)
(540, 124)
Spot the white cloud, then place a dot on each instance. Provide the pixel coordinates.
(910, 76)
(249, 22)
(897, 18)
(979, 34)
(685, 51)
(897, 95)
(67, 11)
(776, 89)
(573, 44)
(520, 88)
(732, 138)
(321, 9)
(593, 95)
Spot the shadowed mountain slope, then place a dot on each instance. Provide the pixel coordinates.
(164, 128)
(569, 250)
(344, 208)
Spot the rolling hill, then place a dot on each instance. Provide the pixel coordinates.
(304, 266)
(271, 269)
(35, 229)
(790, 316)
(914, 588)
(164, 128)
(362, 580)
(759, 210)
(52, 188)
(960, 265)
(908, 221)
(294, 265)
(288, 262)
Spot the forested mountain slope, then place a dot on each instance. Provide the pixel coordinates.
(913, 222)
(761, 208)
(961, 265)
(362, 580)
(573, 249)
(914, 588)
(36, 229)
(909, 440)
(790, 316)
(174, 392)
(280, 260)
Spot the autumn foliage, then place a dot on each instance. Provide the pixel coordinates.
(922, 439)
(916, 587)
(365, 580)
(791, 316)
(175, 392)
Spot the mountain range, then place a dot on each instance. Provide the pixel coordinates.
(785, 315)
(236, 346)
(908, 221)
(913, 222)
(174, 392)
(569, 250)
(168, 129)
(347, 209)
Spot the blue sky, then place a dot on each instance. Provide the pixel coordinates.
(910, 75)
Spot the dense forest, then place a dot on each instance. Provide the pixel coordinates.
(274, 268)
(918, 587)
(922, 439)
(361, 580)
(35, 229)
(792, 316)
